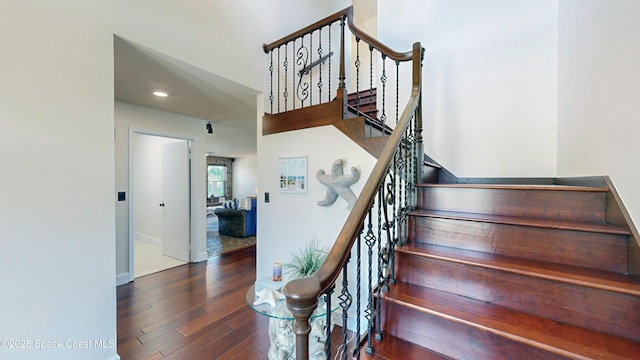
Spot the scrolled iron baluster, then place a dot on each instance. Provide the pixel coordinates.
(383, 262)
(370, 241)
(406, 207)
(389, 194)
(358, 291)
(345, 303)
(394, 229)
(302, 59)
(413, 180)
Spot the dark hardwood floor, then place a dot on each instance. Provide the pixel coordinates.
(194, 311)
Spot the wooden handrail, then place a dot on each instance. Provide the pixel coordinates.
(398, 56)
(306, 30)
(348, 14)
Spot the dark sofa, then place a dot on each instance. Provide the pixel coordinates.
(236, 222)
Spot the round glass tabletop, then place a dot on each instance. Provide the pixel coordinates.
(280, 310)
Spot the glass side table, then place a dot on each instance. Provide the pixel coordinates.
(281, 335)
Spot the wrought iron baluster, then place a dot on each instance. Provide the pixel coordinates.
(394, 232)
(397, 91)
(329, 89)
(302, 59)
(271, 76)
(370, 90)
(383, 80)
(357, 65)
(384, 253)
(310, 70)
(320, 66)
(293, 72)
(345, 304)
(414, 178)
(402, 164)
(327, 343)
(370, 240)
(406, 189)
(358, 292)
(285, 65)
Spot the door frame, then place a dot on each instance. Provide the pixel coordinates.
(131, 201)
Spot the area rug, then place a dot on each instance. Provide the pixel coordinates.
(221, 244)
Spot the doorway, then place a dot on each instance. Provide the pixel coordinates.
(160, 203)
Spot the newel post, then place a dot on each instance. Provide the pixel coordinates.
(418, 56)
(302, 300)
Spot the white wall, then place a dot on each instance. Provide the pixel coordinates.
(57, 196)
(132, 118)
(245, 176)
(599, 83)
(290, 221)
(490, 83)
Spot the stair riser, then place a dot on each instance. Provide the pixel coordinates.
(596, 309)
(453, 339)
(585, 249)
(545, 204)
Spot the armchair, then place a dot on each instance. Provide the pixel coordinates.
(237, 222)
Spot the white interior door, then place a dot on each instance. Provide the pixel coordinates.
(175, 200)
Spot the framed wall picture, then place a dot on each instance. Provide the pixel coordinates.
(293, 174)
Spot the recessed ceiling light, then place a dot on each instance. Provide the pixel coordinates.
(160, 93)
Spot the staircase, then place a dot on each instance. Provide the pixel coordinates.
(511, 272)
(487, 271)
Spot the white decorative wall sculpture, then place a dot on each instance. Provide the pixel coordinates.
(338, 184)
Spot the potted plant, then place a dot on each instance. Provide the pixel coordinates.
(305, 261)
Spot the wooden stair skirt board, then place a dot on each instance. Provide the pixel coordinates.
(513, 272)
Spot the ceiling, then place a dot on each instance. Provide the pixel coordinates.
(193, 92)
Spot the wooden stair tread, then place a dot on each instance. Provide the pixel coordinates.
(557, 272)
(549, 335)
(519, 187)
(393, 348)
(524, 221)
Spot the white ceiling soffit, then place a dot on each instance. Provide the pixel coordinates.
(193, 92)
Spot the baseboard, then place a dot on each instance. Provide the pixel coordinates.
(122, 279)
(148, 239)
(202, 256)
